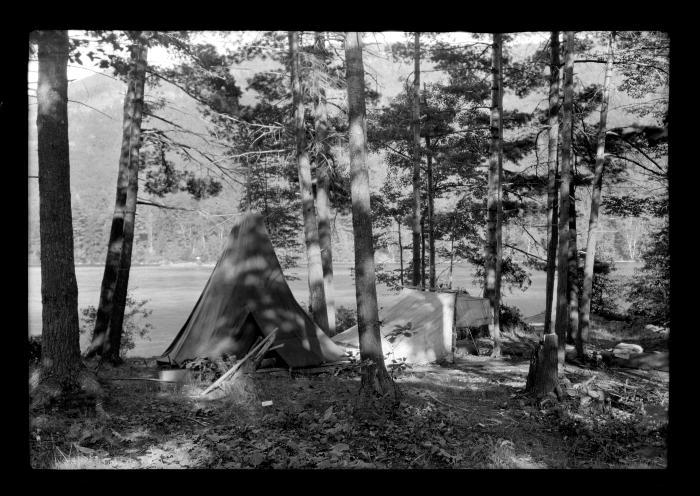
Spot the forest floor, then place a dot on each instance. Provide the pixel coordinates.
(468, 414)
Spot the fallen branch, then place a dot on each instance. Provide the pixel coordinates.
(447, 404)
(253, 352)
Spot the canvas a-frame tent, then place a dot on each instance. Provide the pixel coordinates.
(420, 326)
(245, 297)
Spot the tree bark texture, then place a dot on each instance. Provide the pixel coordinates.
(562, 316)
(322, 188)
(59, 289)
(543, 377)
(594, 222)
(107, 332)
(572, 336)
(398, 227)
(120, 290)
(422, 253)
(431, 207)
(416, 164)
(492, 290)
(317, 298)
(375, 377)
(552, 151)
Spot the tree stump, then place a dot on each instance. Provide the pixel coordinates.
(543, 377)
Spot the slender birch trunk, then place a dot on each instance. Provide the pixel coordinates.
(552, 149)
(375, 377)
(492, 290)
(115, 280)
(59, 290)
(416, 164)
(594, 222)
(562, 316)
(317, 298)
(322, 187)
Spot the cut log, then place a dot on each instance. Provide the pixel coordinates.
(543, 377)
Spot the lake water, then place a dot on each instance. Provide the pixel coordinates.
(172, 292)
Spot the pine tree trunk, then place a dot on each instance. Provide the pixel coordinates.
(416, 165)
(572, 336)
(431, 207)
(452, 257)
(552, 149)
(492, 290)
(594, 222)
(398, 224)
(59, 290)
(562, 316)
(322, 187)
(375, 378)
(317, 298)
(118, 263)
(120, 290)
(543, 377)
(422, 254)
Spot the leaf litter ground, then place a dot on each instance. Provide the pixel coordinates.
(470, 414)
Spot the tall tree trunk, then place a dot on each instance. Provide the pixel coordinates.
(120, 290)
(572, 336)
(398, 224)
(431, 207)
(59, 290)
(593, 223)
(375, 378)
(452, 257)
(492, 289)
(317, 298)
(416, 164)
(552, 151)
(422, 253)
(322, 187)
(562, 316)
(107, 332)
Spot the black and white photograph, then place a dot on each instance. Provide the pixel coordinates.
(316, 250)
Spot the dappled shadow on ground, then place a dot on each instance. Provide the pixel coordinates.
(469, 414)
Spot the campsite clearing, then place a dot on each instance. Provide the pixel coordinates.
(464, 415)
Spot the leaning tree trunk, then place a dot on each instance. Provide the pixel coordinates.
(416, 164)
(431, 207)
(120, 290)
(552, 150)
(317, 296)
(492, 290)
(593, 223)
(60, 358)
(116, 274)
(375, 377)
(572, 336)
(322, 187)
(543, 377)
(562, 317)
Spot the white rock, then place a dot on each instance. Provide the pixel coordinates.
(628, 348)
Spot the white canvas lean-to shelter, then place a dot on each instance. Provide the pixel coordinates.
(421, 325)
